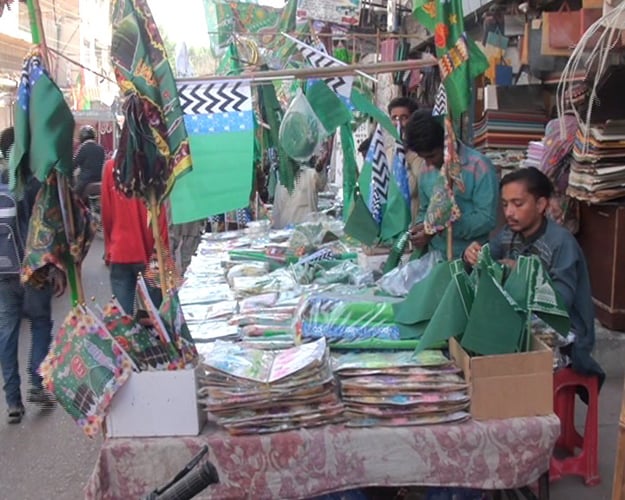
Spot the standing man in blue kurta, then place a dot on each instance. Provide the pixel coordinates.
(478, 201)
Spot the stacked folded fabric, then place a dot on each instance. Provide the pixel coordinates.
(508, 129)
(400, 388)
(598, 166)
(251, 391)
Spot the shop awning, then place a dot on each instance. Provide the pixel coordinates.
(12, 52)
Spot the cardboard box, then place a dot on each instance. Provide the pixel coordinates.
(508, 385)
(156, 403)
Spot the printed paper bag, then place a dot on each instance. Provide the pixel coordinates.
(496, 39)
(546, 48)
(564, 27)
(503, 74)
(514, 24)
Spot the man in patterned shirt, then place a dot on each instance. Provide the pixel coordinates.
(478, 201)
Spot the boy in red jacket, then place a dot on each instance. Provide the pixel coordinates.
(128, 238)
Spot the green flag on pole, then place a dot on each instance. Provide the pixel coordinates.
(459, 59)
(44, 127)
(142, 69)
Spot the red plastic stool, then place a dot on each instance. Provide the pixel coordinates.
(585, 464)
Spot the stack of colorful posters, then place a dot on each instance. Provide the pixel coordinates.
(401, 388)
(598, 165)
(251, 391)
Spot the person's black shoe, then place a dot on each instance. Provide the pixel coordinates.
(39, 396)
(15, 414)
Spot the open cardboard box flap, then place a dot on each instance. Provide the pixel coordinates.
(508, 385)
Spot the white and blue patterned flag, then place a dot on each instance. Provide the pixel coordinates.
(380, 175)
(400, 171)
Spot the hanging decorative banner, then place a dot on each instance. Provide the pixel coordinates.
(332, 11)
(380, 174)
(341, 85)
(220, 122)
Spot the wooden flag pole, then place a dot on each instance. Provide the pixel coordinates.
(153, 208)
(73, 270)
(36, 30)
(618, 483)
(259, 77)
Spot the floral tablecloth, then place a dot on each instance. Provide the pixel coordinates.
(494, 454)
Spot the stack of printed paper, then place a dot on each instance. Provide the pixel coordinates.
(251, 391)
(598, 165)
(401, 388)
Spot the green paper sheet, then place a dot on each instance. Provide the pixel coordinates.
(494, 326)
(452, 314)
(424, 297)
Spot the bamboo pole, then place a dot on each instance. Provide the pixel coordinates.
(618, 483)
(36, 29)
(303, 73)
(73, 270)
(364, 36)
(154, 209)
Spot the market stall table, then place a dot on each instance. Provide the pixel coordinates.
(495, 454)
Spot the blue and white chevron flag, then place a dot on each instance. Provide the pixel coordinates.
(219, 117)
(341, 85)
(400, 171)
(440, 103)
(380, 175)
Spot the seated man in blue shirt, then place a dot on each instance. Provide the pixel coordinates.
(525, 197)
(478, 201)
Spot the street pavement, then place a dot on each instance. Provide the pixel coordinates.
(48, 457)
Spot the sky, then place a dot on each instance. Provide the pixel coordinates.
(187, 24)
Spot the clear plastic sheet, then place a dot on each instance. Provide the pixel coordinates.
(301, 133)
(346, 318)
(400, 280)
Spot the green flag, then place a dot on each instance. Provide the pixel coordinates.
(271, 112)
(142, 69)
(496, 324)
(459, 59)
(366, 107)
(350, 168)
(424, 297)
(44, 128)
(230, 63)
(451, 315)
(396, 217)
(331, 111)
(532, 289)
(219, 117)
